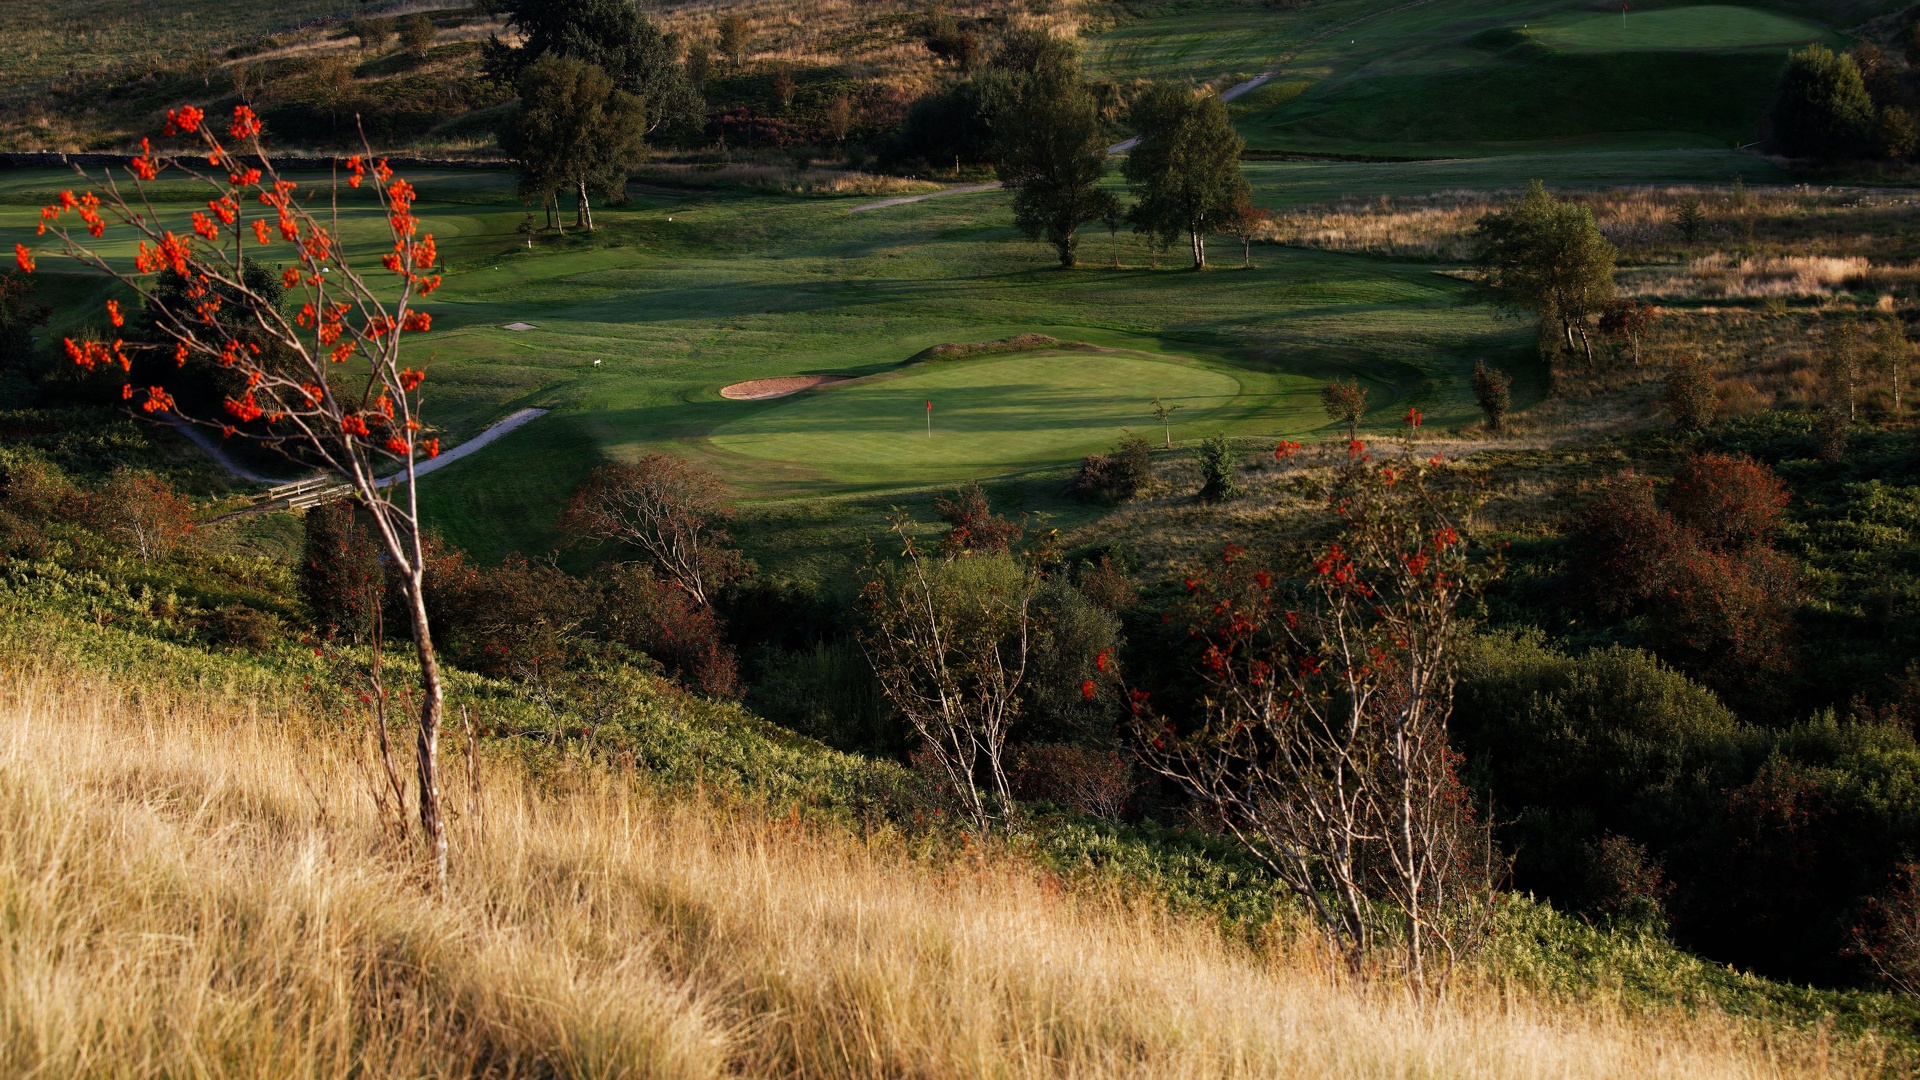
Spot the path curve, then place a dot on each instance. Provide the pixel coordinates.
(1117, 148)
(479, 442)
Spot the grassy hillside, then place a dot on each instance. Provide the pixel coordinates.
(93, 76)
(193, 871)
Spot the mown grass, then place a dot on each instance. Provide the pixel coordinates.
(683, 292)
(1456, 77)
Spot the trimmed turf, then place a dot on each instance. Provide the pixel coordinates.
(988, 415)
(1450, 77)
(1707, 26)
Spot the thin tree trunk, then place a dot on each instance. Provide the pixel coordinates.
(432, 705)
(584, 218)
(1199, 248)
(1246, 252)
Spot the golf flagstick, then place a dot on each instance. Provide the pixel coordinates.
(929, 419)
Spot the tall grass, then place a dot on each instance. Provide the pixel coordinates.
(201, 887)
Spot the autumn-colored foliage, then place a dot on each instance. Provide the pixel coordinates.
(327, 377)
(1719, 601)
(647, 613)
(1732, 501)
(973, 527)
(1322, 739)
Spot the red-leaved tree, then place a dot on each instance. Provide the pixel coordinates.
(327, 377)
(1321, 742)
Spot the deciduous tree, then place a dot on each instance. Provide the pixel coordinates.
(667, 508)
(1050, 152)
(1185, 170)
(611, 35)
(574, 130)
(735, 36)
(1823, 109)
(340, 577)
(1245, 223)
(339, 387)
(1321, 741)
(1345, 402)
(950, 641)
(1889, 340)
(1548, 258)
(1493, 390)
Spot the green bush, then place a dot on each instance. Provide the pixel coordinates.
(1217, 469)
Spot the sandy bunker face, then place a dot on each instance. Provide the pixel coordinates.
(761, 389)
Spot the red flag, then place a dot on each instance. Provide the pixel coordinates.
(929, 406)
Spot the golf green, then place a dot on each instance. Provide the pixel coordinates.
(988, 414)
(1708, 26)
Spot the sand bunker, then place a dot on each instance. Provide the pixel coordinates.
(761, 389)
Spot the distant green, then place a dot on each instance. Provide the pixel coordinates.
(987, 415)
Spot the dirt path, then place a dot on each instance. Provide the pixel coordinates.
(969, 189)
(474, 445)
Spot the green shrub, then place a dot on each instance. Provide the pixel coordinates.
(1217, 469)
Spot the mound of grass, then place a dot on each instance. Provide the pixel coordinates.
(966, 350)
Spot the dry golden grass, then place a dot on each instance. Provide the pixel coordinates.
(1770, 242)
(199, 888)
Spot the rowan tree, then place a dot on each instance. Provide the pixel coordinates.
(1548, 258)
(1321, 740)
(337, 386)
(1345, 402)
(669, 509)
(1051, 154)
(1185, 170)
(574, 130)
